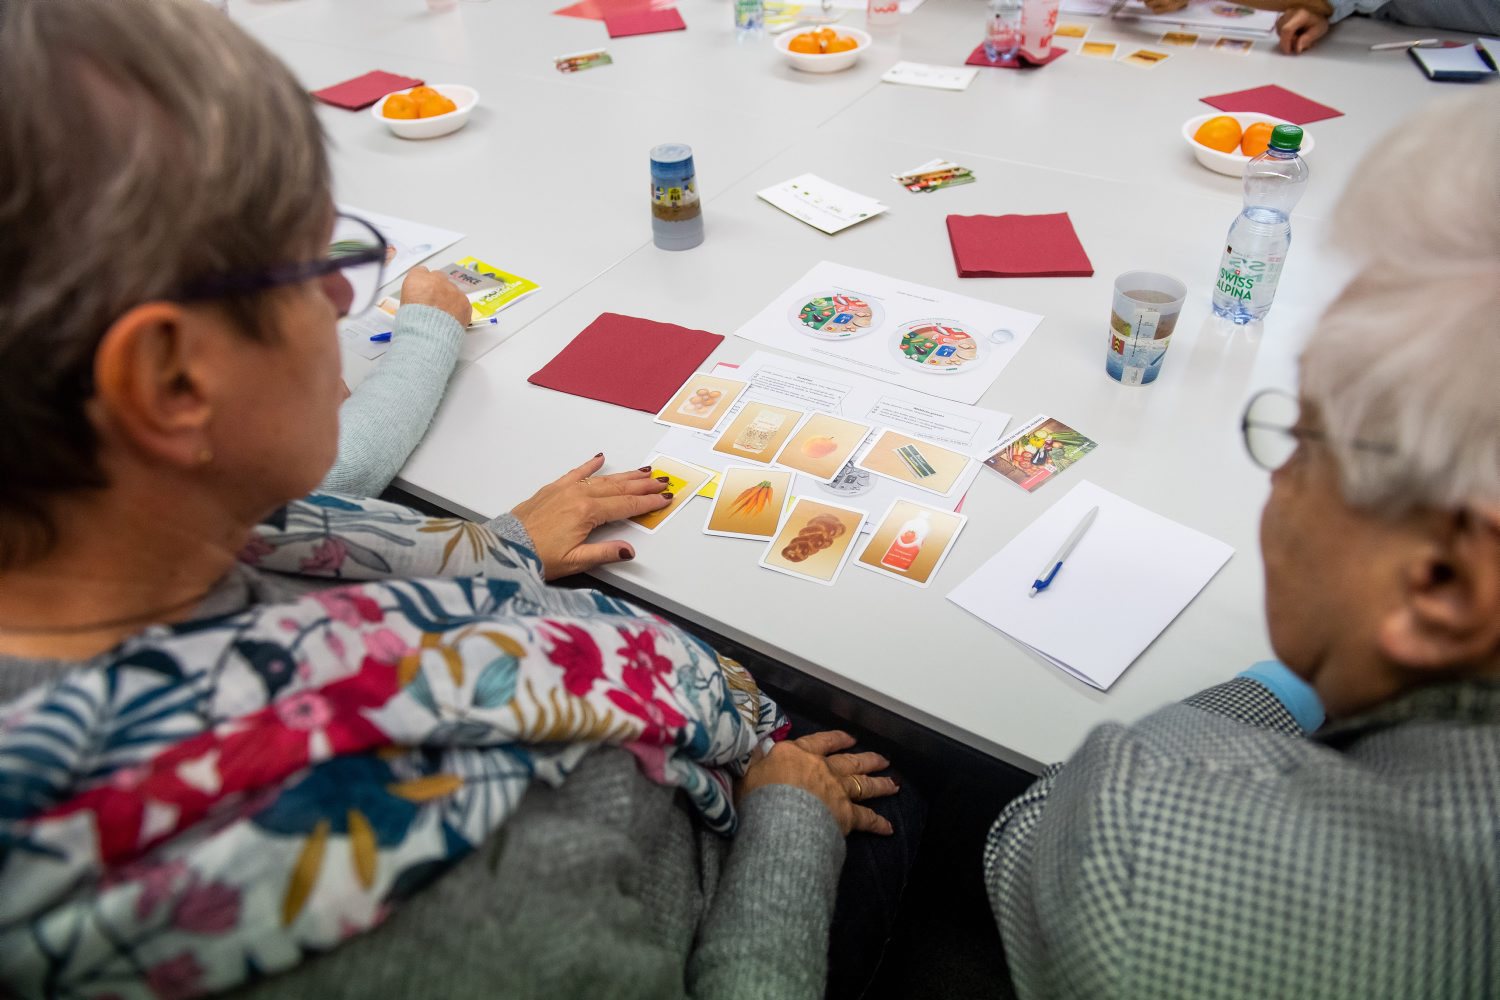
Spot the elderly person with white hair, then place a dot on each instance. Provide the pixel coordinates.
(1234, 845)
(312, 745)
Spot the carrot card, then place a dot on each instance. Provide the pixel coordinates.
(749, 503)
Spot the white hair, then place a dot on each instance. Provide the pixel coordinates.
(1408, 356)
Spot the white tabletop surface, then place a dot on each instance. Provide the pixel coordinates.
(550, 180)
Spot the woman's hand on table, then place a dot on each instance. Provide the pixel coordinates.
(561, 515)
(422, 287)
(1165, 6)
(839, 780)
(1299, 29)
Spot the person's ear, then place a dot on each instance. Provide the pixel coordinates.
(153, 383)
(1449, 614)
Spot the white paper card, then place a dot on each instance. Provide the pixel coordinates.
(821, 204)
(1130, 575)
(927, 75)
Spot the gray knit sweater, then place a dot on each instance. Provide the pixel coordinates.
(603, 887)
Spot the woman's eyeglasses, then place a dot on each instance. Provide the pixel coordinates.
(357, 254)
(1272, 434)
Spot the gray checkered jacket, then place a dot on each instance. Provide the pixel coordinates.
(1213, 850)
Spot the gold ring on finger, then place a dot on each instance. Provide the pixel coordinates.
(859, 787)
(584, 482)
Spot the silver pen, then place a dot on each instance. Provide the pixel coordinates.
(1044, 577)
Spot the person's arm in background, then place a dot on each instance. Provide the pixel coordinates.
(1302, 22)
(385, 417)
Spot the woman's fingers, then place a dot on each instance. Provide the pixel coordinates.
(584, 471)
(857, 763)
(826, 742)
(869, 821)
(618, 508)
(868, 786)
(596, 554)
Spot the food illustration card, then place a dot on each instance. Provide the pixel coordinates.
(915, 462)
(814, 541)
(701, 402)
(749, 503)
(911, 541)
(822, 445)
(683, 482)
(757, 432)
(1042, 448)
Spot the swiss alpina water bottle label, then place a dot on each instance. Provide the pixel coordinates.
(1241, 277)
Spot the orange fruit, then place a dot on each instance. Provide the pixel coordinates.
(432, 105)
(827, 34)
(1257, 139)
(842, 44)
(807, 43)
(417, 93)
(1221, 133)
(399, 106)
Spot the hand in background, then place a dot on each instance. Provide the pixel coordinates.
(1300, 30)
(1165, 6)
(561, 514)
(431, 288)
(839, 780)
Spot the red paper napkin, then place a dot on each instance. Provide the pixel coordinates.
(363, 91)
(643, 22)
(628, 361)
(1017, 246)
(1276, 101)
(978, 58)
(598, 10)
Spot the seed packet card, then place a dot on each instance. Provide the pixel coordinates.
(915, 462)
(1180, 39)
(582, 60)
(749, 503)
(822, 445)
(1039, 450)
(1066, 30)
(701, 402)
(911, 541)
(1099, 50)
(1145, 58)
(1238, 46)
(684, 480)
(757, 432)
(814, 541)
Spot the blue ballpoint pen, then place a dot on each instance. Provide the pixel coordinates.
(1044, 578)
(381, 338)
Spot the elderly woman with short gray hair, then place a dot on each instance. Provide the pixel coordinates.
(1234, 845)
(246, 735)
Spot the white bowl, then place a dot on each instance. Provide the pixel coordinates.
(1233, 164)
(430, 128)
(823, 62)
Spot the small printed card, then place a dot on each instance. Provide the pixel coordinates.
(1145, 58)
(684, 480)
(915, 462)
(1066, 30)
(757, 432)
(911, 541)
(1041, 449)
(1181, 39)
(701, 402)
(926, 75)
(822, 445)
(582, 60)
(814, 541)
(820, 204)
(1238, 46)
(489, 289)
(749, 503)
(1098, 50)
(933, 175)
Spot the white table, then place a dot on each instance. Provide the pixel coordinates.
(549, 180)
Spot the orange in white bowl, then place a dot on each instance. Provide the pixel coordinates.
(465, 99)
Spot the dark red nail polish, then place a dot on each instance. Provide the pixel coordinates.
(626, 554)
(663, 479)
(666, 496)
(599, 454)
(645, 468)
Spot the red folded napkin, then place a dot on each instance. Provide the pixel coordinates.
(1017, 246)
(628, 361)
(1276, 101)
(978, 58)
(643, 22)
(598, 10)
(363, 91)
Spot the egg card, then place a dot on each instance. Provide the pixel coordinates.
(702, 402)
(822, 445)
(757, 432)
(684, 480)
(1145, 58)
(814, 541)
(911, 541)
(915, 462)
(749, 503)
(1098, 50)
(1180, 39)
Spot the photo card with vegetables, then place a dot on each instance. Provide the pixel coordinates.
(822, 445)
(701, 403)
(684, 480)
(814, 541)
(749, 503)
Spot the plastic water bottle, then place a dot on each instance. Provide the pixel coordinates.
(1002, 31)
(1259, 239)
(749, 19)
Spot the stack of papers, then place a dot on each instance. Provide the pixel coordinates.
(1214, 14)
(821, 204)
(1130, 575)
(927, 75)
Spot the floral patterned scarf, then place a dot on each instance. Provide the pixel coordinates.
(208, 802)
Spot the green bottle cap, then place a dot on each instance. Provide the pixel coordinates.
(1286, 137)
